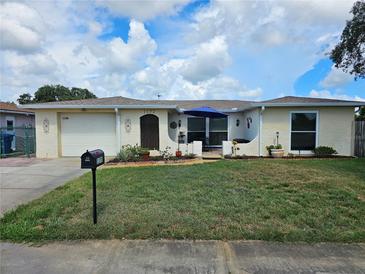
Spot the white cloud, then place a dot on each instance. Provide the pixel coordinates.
(165, 79)
(209, 60)
(143, 9)
(21, 28)
(329, 95)
(128, 56)
(336, 78)
(58, 42)
(268, 23)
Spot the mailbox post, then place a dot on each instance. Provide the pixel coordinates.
(91, 160)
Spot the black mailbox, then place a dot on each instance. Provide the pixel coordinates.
(92, 159)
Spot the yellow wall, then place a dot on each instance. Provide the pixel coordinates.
(335, 127)
(47, 144)
(133, 136)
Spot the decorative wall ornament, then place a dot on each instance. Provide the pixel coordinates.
(173, 125)
(128, 125)
(249, 122)
(45, 125)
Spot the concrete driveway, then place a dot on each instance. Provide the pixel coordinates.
(23, 179)
(114, 256)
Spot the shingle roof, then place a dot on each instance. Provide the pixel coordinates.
(124, 101)
(13, 107)
(227, 105)
(296, 99)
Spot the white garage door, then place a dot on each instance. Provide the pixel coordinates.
(82, 131)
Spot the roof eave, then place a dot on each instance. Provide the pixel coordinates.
(16, 112)
(40, 106)
(334, 104)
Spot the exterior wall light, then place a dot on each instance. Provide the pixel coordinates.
(237, 123)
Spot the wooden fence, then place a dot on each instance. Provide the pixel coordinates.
(359, 138)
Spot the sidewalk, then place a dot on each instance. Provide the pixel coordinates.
(128, 256)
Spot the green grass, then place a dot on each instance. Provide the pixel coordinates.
(279, 200)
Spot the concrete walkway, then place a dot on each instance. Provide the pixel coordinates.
(23, 179)
(139, 256)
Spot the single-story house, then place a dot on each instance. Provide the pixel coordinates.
(299, 124)
(13, 120)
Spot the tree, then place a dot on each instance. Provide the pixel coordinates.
(82, 93)
(361, 114)
(25, 98)
(349, 53)
(52, 93)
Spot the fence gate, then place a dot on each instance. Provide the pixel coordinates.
(17, 141)
(359, 138)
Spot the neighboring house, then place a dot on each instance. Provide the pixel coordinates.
(68, 128)
(13, 120)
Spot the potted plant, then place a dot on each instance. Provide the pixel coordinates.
(145, 153)
(277, 151)
(178, 153)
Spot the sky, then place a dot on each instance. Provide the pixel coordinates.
(179, 49)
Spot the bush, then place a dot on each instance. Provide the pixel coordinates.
(166, 154)
(190, 156)
(129, 153)
(270, 147)
(324, 151)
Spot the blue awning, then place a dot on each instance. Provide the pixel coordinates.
(205, 112)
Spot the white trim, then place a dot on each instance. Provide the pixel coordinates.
(118, 129)
(41, 106)
(16, 112)
(260, 129)
(305, 152)
(323, 104)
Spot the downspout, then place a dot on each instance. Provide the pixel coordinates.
(260, 130)
(117, 129)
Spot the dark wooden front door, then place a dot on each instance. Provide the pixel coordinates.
(150, 132)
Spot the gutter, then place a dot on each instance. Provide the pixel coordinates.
(260, 130)
(40, 106)
(16, 112)
(349, 104)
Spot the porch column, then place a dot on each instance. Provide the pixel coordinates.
(117, 129)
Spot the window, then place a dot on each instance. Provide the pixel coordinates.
(196, 129)
(200, 128)
(9, 125)
(303, 130)
(217, 131)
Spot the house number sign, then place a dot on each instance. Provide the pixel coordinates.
(149, 111)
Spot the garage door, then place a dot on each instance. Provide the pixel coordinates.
(82, 131)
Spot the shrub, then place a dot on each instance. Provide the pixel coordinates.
(324, 151)
(129, 153)
(190, 156)
(166, 154)
(270, 147)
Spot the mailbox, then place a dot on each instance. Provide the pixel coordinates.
(92, 159)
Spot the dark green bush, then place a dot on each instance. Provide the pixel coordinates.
(324, 151)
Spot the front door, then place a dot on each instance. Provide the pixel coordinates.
(150, 132)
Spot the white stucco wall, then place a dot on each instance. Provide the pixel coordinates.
(251, 133)
(134, 135)
(47, 143)
(235, 131)
(335, 127)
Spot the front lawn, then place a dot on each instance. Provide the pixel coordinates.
(281, 200)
